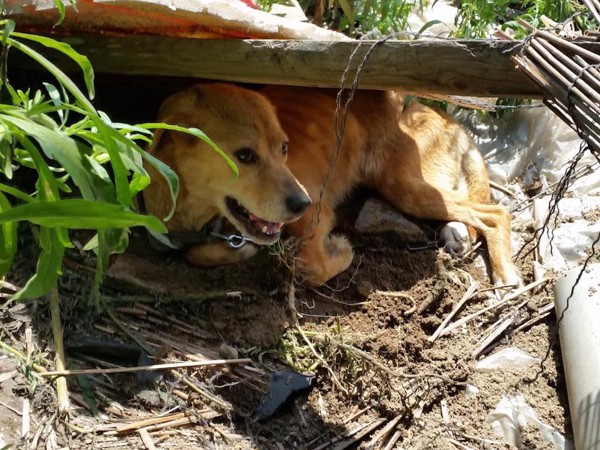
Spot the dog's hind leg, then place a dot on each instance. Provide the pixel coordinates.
(321, 255)
(417, 197)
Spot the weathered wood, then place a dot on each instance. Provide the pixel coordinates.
(474, 68)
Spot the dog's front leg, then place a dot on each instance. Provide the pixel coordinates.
(218, 253)
(321, 256)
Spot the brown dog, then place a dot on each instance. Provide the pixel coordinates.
(419, 159)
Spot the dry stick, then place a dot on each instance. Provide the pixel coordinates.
(396, 294)
(495, 334)
(356, 415)
(502, 189)
(165, 366)
(356, 435)
(148, 422)
(593, 9)
(458, 444)
(576, 64)
(393, 440)
(382, 434)
(576, 84)
(61, 384)
(502, 302)
(566, 44)
(146, 439)
(468, 295)
(196, 389)
(573, 80)
(543, 312)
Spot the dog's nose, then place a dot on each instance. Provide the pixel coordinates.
(298, 202)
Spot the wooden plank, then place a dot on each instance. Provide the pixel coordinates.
(468, 68)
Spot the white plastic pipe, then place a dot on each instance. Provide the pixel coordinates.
(579, 332)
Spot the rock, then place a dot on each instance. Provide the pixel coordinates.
(378, 216)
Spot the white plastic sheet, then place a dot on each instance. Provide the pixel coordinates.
(512, 414)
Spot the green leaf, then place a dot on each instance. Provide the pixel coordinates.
(62, 148)
(6, 159)
(58, 74)
(82, 61)
(109, 138)
(49, 265)
(46, 184)
(8, 239)
(80, 214)
(194, 132)
(16, 193)
(61, 12)
(169, 175)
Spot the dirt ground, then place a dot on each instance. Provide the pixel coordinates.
(378, 381)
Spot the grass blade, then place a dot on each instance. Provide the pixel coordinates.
(82, 61)
(80, 214)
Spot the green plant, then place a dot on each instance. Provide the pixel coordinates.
(476, 16)
(87, 169)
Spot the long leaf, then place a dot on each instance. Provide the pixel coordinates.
(82, 61)
(58, 74)
(196, 133)
(46, 184)
(60, 147)
(80, 214)
(8, 239)
(49, 265)
(16, 193)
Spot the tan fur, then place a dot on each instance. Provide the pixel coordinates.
(419, 159)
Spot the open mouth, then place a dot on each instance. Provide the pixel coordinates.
(254, 225)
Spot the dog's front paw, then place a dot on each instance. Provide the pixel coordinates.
(321, 267)
(509, 276)
(456, 239)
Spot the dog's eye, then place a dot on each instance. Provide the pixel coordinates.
(246, 155)
(284, 148)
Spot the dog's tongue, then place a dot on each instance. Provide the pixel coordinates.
(264, 226)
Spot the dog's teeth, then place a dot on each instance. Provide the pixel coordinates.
(264, 229)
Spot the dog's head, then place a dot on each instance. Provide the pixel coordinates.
(244, 125)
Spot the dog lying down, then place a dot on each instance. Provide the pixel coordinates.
(282, 140)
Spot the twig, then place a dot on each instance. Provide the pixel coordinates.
(543, 312)
(382, 434)
(199, 391)
(395, 294)
(146, 439)
(465, 298)
(360, 435)
(26, 418)
(166, 366)
(484, 347)
(392, 442)
(62, 391)
(458, 444)
(10, 408)
(502, 302)
(128, 332)
(148, 422)
(502, 189)
(348, 419)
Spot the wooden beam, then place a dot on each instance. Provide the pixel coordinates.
(468, 68)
